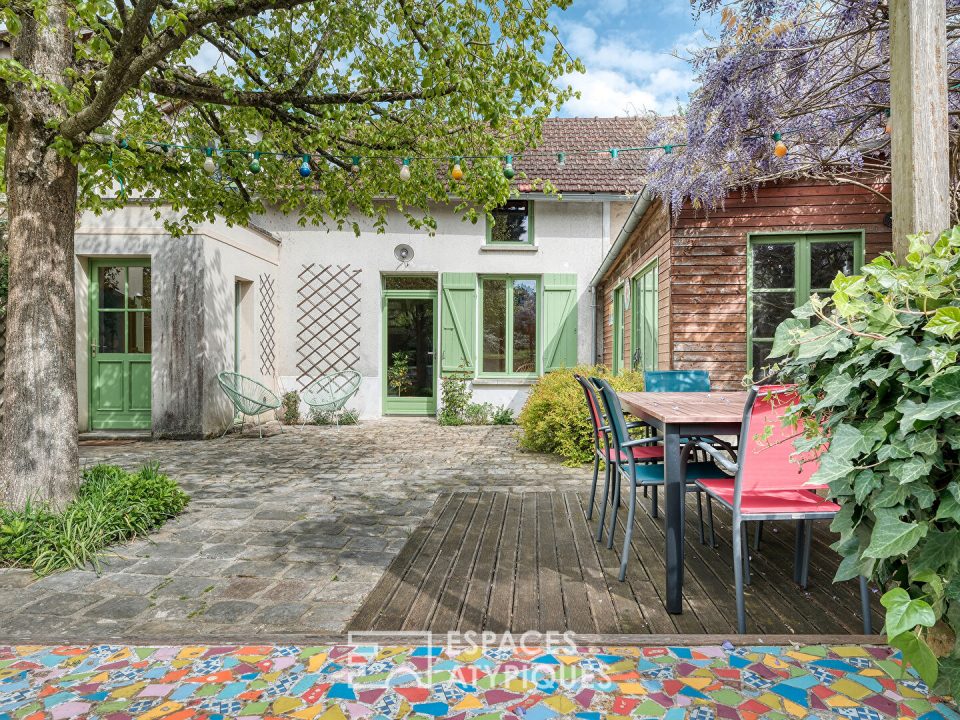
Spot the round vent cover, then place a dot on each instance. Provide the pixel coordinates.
(403, 252)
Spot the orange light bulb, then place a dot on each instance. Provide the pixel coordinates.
(457, 172)
(780, 150)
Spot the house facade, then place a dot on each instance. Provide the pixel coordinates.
(501, 301)
(697, 290)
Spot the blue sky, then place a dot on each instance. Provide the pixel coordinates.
(626, 47)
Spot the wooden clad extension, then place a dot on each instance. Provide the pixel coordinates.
(703, 261)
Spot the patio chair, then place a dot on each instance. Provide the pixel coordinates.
(636, 475)
(330, 393)
(603, 446)
(249, 398)
(676, 381)
(769, 485)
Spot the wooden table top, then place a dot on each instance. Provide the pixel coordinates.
(686, 407)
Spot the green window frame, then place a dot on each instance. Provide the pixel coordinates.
(616, 354)
(775, 294)
(644, 325)
(509, 322)
(492, 221)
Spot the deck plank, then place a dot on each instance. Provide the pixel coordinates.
(497, 561)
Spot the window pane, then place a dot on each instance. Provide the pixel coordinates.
(524, 326)
(409, 347)
(111, 332)
(138, 287)
(111, 281)
(773, 265)
(139, 332)
(511, 222)
(409, 282)
(769, 310)
(826, 260)
(494, 325)
(760, 352)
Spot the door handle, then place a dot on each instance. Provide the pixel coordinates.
(93, 349)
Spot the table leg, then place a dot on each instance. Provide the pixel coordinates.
(673, 518)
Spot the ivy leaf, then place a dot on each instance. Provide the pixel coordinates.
(865, 483)
(918, 654)
(904, 613)
(949, 681)
(908, 471)
(949, 508)
(938, 549)
(785, 337)
(945, 321)
(911, 355)
(891, 536)
(847, 443)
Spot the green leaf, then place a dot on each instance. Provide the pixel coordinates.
(945, 321)
(865, 483)
(911, 355)
(908, 471)
(904, 613)
(949, 507)
(785, 337)
(939, 549)
(918, 654)
(891, 536)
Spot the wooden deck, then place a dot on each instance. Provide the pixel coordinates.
(513, 562)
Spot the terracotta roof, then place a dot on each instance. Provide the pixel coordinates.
(595, 173)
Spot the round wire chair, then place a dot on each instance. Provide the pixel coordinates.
(249, 398)
(330, 393)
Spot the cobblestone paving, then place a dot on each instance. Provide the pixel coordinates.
(283, 536)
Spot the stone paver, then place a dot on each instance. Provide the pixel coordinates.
(283, 537)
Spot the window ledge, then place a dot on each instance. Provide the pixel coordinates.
(503, 247)
(504, 381)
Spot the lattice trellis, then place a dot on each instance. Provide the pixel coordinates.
(268, 345)
(329, 335)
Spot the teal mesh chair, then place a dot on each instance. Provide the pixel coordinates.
(249, 398)
(676, 381)
(330, 393)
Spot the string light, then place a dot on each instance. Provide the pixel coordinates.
(124, 143)
(405, 170)
(668, 149)
(305, 167)
(456, 172)
(254, 166)
(561, 159)
(888, 123)
(614, 154)
(209, 166)
(355, 164)
(508, 171)
(779, 148)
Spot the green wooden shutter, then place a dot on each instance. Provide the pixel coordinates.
(458, 322)
(559, 321)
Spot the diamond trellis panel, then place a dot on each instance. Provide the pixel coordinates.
(329, 335)
(3, 344)
(268, 345)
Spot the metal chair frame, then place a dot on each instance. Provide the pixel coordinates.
(237, 388)
(319, 397)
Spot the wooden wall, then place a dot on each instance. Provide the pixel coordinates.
(703, 271)
(650, 239)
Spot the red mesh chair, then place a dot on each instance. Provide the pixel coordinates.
(603, 448)
(770, 485)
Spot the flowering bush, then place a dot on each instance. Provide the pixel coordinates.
(877, 365)
(555, 419)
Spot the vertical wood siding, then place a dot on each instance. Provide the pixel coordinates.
(703, 266)
(650, 239)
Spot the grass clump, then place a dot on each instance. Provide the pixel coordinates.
(112, 505)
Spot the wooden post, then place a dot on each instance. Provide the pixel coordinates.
(918, 111)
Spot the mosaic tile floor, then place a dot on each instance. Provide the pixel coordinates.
(421, 683)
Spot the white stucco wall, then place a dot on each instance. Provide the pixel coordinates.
(569, 237)
(193, 285)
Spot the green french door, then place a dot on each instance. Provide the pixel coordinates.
(120, 344)
(644, 320)
(409, 342)
(616, 361)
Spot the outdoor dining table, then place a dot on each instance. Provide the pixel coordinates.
(676, 415)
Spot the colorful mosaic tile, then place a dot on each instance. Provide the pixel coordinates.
(348, 682)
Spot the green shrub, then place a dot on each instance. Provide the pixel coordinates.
(879, 376)
(503, 416)
(111, 506)
(454, 397)
(478, 413)
(326, 417)
(555, 420)
(290, 410)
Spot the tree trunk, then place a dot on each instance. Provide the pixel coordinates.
(38, 457)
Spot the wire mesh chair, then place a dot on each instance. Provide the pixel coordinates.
(330, 393)
(249, 398)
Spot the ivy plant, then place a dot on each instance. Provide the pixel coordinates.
(876, 362)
